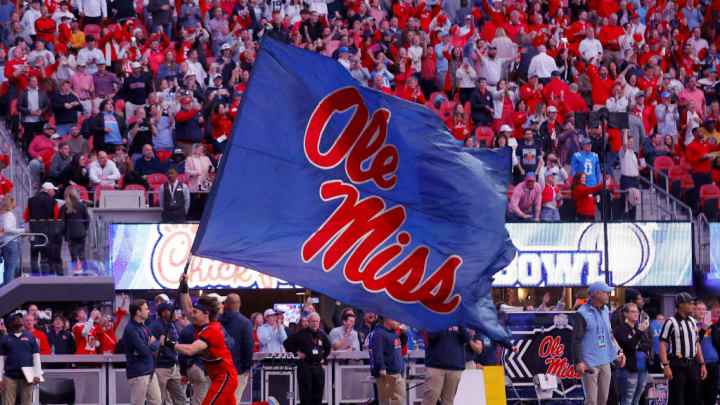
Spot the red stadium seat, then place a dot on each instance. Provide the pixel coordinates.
(92, 29)
(135, 187)
(663, 164)
(511, 188)
(156, 194)
(485, 134)
(676, 175)
(183, 178)
(82, 192)
(156, 179)
(709, 201)
(446, 109)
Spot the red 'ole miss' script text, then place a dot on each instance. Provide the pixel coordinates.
(358, 228)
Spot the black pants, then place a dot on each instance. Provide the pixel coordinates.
(709, 386)
(683, 388)
(91, 20)
(30, 129)
(77, 249)
(465, 95)
(311, 382)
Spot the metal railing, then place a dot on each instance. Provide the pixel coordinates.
(663, 194)
(27, 235)
(702, 246)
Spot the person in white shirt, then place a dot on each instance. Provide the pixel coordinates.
(103, 171)
(618, 102)
(542, 65)
(31, 15)
(466, 77)
(552, 166)
(93, 11)
(344, 57)
(194, 67)
(271, 335)
(492, 66)
(590, 47)
(344, 338)
(91, 55)
(697, 43)
(61, 12)
(629, 172)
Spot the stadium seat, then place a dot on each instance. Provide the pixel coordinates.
(716, 176)
(511, 188)
(687, 190)
(662, 164)
(156, 194)
(709, 200)
(135, 187)
(82, 192)
(446, 109)
(685, 164)
(485, 134)
(183, 178)
(156, 179)
(675, 175)
(92, 29)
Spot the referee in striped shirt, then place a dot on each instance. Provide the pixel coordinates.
(680, 353)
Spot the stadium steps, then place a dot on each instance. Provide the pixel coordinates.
(55, 289)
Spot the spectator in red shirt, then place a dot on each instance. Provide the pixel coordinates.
(601, 84)
(609, 37)
(459, 123)
(45, 27)
(699, 153)
(29, 325)
(583, 196)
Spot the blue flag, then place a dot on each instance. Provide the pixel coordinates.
(359, 195)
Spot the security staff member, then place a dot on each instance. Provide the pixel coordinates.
(18, 349)
(166, 368)
(42, 213)
(312, 347)
(680, 353)
(386, 361)
(174, 198)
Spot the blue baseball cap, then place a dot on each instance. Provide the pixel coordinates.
(585, 140)
(13, 316)
(344, 49)
(598, 286)
(165, 305)
(665, 94)
(530, 176)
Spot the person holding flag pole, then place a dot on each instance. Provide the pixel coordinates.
(210, 344)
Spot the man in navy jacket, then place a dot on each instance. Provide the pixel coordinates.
(444, 363)
(139, 346)
(18, 349)
(166, 368)
(240, 328)
(386, 361)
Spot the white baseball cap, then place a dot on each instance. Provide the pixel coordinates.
(48, 186)
(552, 109)
(218, 297)
(136, 65)
(506, 128)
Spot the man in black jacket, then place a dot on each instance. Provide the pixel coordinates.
(135, 90)
(312, 347)
(161, 11)
(278, 30)
(65, 107)
(240, 328)
(42, 213)
(481, 104)
(549, 130)
(32, 104)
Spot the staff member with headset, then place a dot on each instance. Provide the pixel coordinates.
(312, 347)
(680, 353)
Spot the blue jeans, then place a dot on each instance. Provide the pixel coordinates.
(11, 257)
(549, 215)
(640, 387)
(63, 129)
(612, 157)
(627, 382)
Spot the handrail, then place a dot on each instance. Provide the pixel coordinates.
(702, 224)
(669, 198)
(27, 234)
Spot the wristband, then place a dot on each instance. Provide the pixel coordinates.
(701, 364)
(184, 289)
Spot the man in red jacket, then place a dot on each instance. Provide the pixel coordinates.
(45, 27)
(699, 153)
(609, 37)
(601, 84)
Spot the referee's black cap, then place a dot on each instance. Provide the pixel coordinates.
(684, 297)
